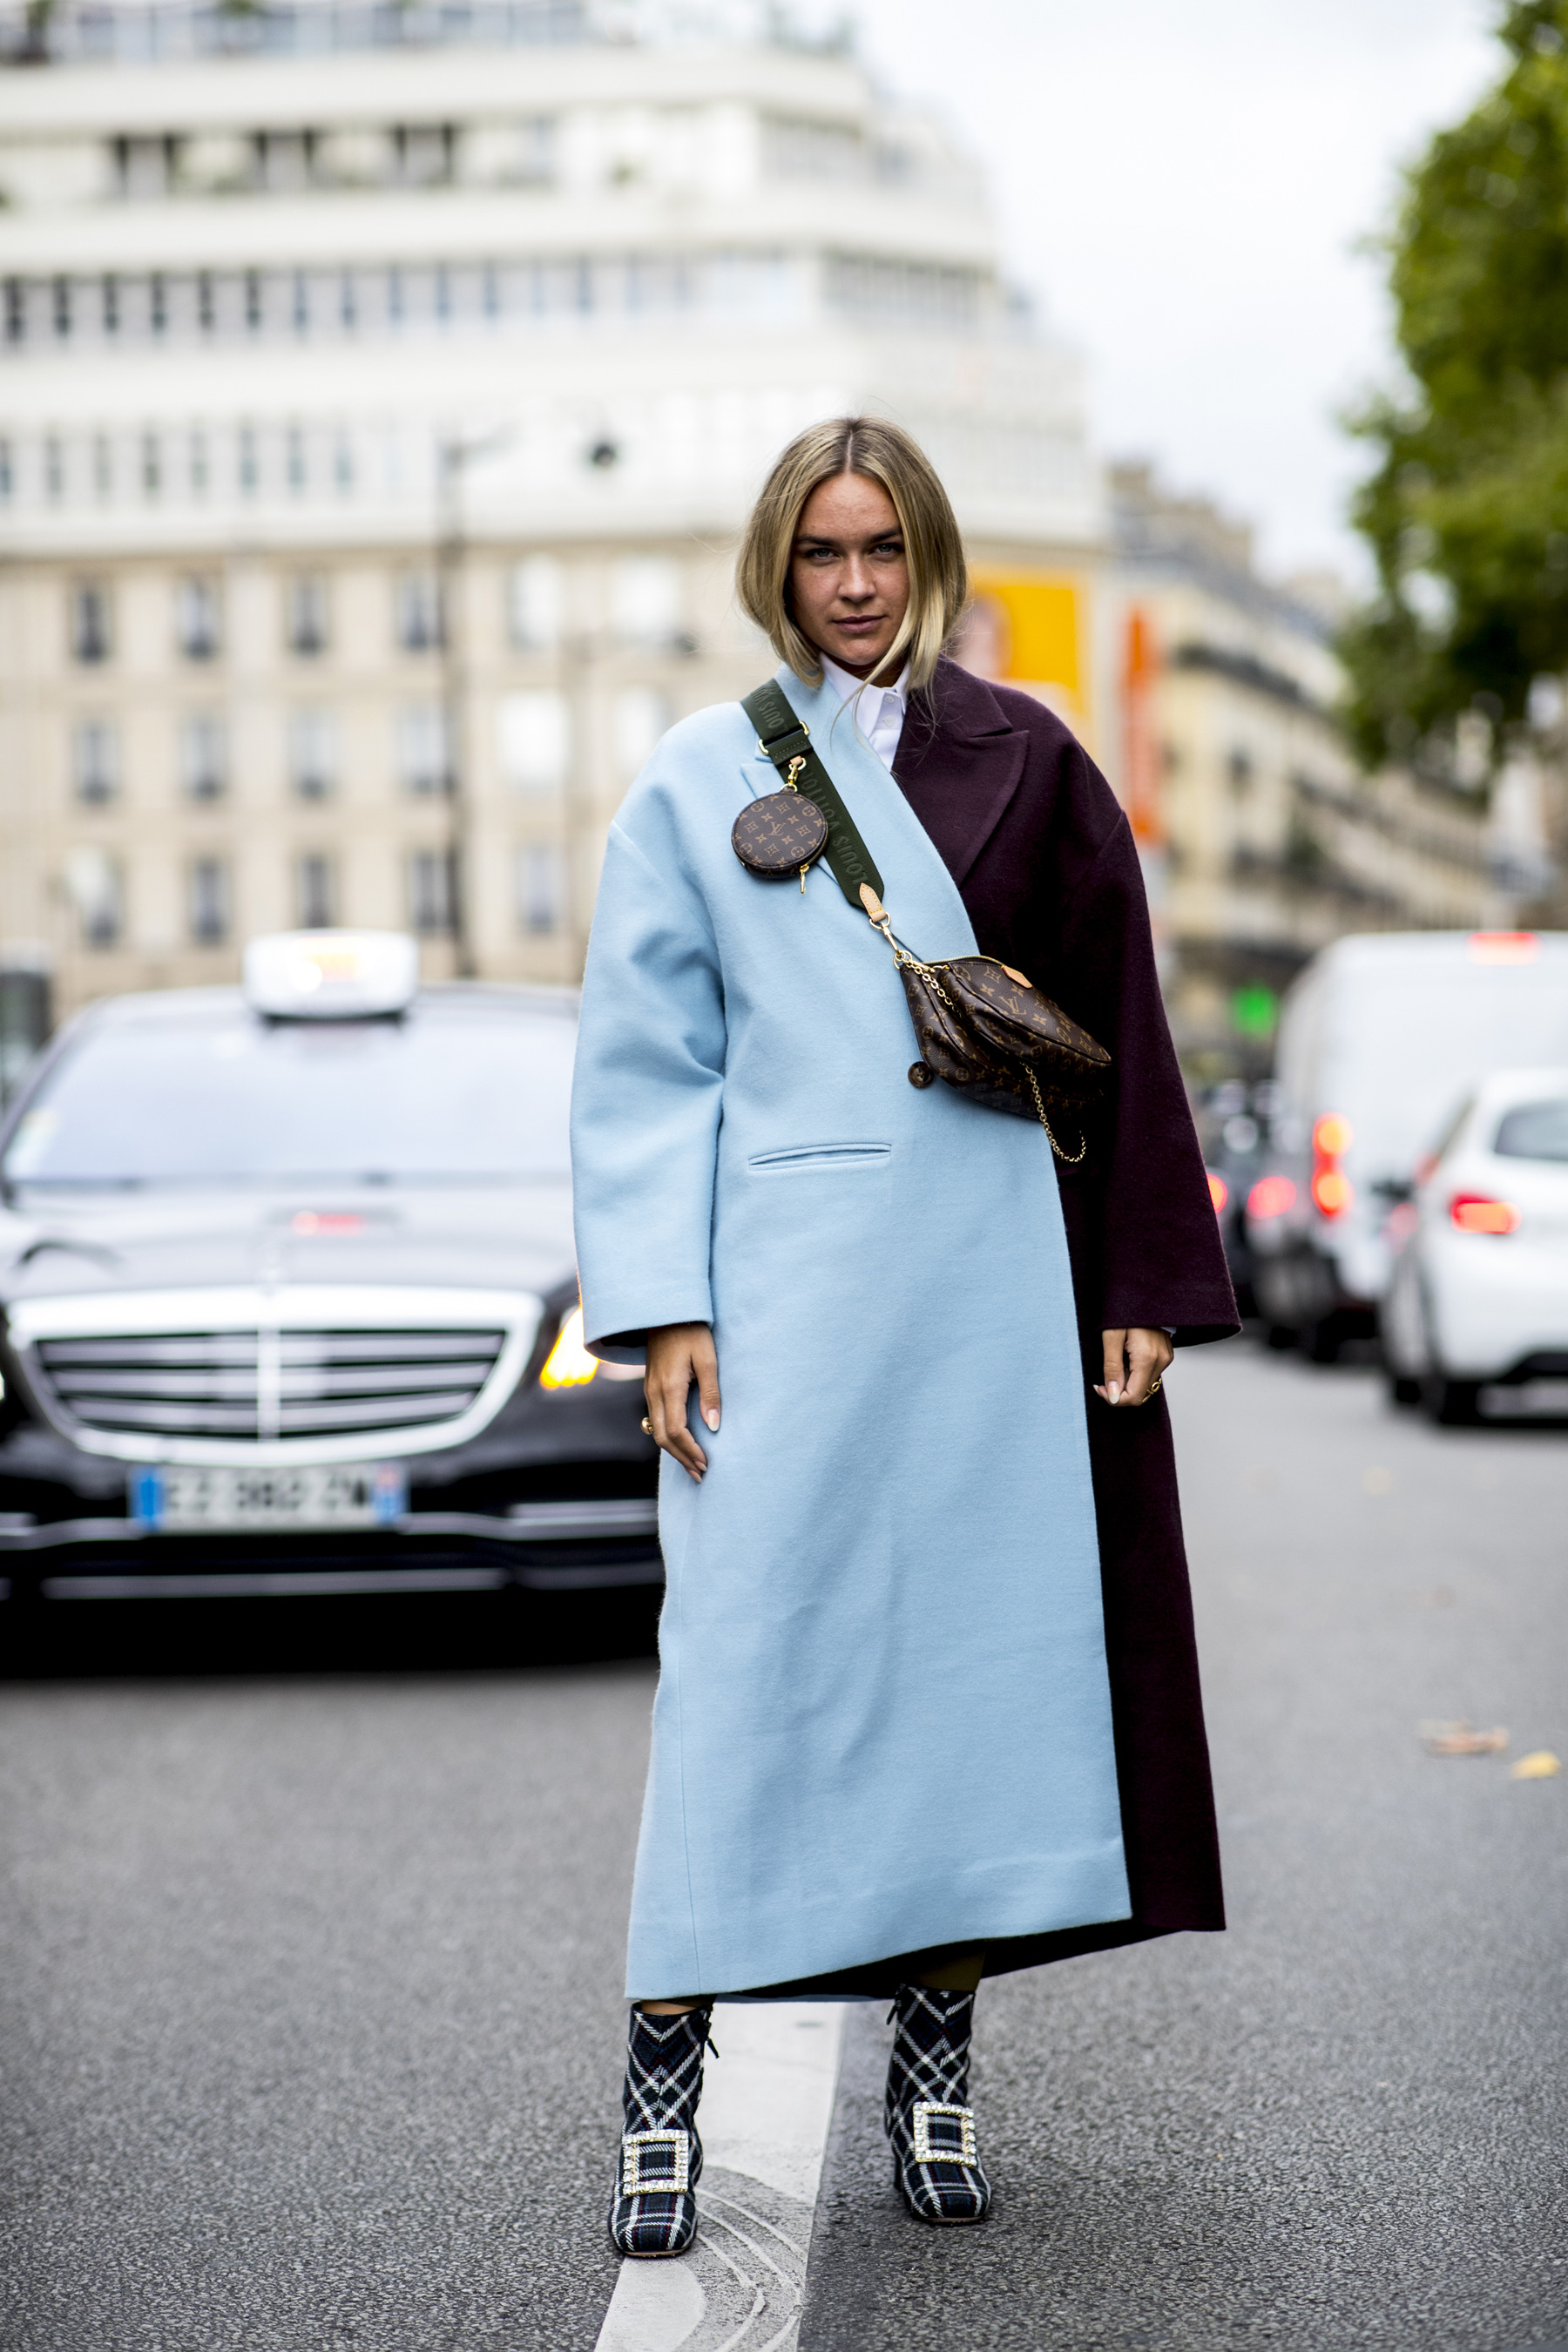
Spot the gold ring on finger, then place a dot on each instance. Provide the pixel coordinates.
(647, 1426)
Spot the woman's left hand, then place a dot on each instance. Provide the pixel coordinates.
(1135, 1363)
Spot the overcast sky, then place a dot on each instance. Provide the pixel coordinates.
(1182, 184)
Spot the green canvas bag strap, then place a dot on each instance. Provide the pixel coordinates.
(788, 742)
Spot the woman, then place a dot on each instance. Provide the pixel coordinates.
(928, 1708)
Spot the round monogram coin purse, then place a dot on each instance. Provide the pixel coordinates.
(779, 836)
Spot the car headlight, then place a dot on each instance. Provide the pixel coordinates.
(569, 1365)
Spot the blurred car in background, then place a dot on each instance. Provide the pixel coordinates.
(1380, 1039)
(1478, 1294)
(1234, 1121)
(289, 1300)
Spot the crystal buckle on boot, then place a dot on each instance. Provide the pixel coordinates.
(657, 2163)
(958, 2149)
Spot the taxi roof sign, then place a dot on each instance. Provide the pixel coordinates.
(331, 975)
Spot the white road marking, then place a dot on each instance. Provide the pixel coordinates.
(767, 2102)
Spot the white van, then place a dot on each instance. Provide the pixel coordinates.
(1381, 1039)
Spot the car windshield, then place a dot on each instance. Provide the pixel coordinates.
(453, 1093)
(1535, 1131)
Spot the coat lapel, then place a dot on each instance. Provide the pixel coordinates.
(960, 762)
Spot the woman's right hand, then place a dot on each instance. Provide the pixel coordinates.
(677, 1354)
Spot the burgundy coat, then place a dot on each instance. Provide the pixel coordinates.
(1044, 862)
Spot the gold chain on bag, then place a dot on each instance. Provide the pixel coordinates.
(880, 920)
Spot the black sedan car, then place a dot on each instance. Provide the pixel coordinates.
(287, 1298)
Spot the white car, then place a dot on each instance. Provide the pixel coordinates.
(1480, 1288)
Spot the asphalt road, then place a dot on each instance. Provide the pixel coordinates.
(308, 2020)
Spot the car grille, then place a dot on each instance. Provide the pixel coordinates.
(262, 1385)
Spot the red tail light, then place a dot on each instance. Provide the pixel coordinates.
(1476, 1213)
(1219, 1191)
(1504, 947)
(1270, 1197)
(1332, 1190)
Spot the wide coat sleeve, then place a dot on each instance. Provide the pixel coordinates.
(646, 1092)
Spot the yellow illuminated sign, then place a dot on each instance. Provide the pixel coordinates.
(1035, 623)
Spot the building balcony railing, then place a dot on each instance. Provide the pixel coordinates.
(157, 31)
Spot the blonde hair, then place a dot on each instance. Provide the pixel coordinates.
(939, 583)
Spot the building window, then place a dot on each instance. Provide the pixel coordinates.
(533, 604)
(200, 471)
(209, 902)
(423, 761)
(540, 887)
(103, 465)
(419, 615)
(536, 149)
(313, 754)
(284, 161)
(203, 768)
(16, 310)
(144, 166)
(1239, 769)
(206, 307)
(96, 887)
(62, 307)
(7, 478)
(53, 470)
(253, 300)
(344, 462)
(110, 302)
(307, 612)
(431, 897)
(641, 716)
(157, 302)
(534, 741)
(644, 600)
(152, 465)
(315, 893)
(198, 625)
(92, 635)
(250, 461)
(422, 152)
(95, 761)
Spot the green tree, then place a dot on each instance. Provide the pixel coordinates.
(1467, 513)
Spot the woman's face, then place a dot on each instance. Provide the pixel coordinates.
(848, 572)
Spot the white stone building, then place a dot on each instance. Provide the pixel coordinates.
(381, 388)
(1262, 838)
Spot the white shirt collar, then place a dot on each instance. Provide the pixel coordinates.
(844, 683)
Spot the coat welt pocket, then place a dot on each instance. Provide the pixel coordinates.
(807, 1158)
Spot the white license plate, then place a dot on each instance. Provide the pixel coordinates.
(317, 1495)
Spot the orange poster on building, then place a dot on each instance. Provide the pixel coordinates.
(1140, 749)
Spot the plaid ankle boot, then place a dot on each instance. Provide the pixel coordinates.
(654, 2210)
(926, 2114)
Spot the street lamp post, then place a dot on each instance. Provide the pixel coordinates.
(454, 454)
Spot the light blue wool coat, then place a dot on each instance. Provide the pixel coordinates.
(883, 1719)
